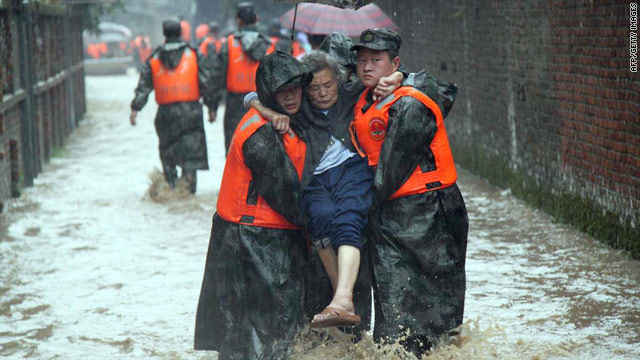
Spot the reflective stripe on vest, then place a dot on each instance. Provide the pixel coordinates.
(179, 84)
(241, 70)
(370, 130)
(233, 200)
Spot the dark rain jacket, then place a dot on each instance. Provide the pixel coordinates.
(253, 286)
(318, 127)
(255, 45)
(180, 125)
(420, 240)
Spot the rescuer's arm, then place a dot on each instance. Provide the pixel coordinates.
(145, 86)
(412, 127)
(274, 176)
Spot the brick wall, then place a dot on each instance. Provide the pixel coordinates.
(547, 104)
(40, 45)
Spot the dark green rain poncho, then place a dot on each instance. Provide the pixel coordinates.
(179, 125)
(254, 45)
(252, 293)
(420, 241)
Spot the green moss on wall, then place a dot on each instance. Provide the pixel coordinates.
(583, 214)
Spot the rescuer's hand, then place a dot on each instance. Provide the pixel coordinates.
(212, 115)
(132, 118)
(387, 85)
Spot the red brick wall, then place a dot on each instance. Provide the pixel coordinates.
(544, 87)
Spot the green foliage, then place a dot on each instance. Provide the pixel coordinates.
(583, 214)
(58, 152)
(95, 12)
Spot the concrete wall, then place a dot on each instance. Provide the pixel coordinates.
(547, 104)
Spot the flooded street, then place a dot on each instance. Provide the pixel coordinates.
(93, 267)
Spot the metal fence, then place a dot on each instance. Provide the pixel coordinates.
(42, 86)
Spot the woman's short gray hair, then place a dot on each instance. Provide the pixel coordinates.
(318, 61)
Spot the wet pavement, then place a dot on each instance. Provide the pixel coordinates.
(94, 267)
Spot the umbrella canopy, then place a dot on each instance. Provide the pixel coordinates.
(325, 19)
(350, 4)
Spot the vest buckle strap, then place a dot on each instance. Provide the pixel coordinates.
(247, 219)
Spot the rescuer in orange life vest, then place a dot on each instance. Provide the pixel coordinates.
(185, 26)
(175, 73)
(211, 44)
(141, 49)
(252, 292)
(334, 193)
(234, 68)
(419, 219)
(281, 41)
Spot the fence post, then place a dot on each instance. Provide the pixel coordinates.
(68, 56)
(29, 139)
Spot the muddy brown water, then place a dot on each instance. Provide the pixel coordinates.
(99, 260)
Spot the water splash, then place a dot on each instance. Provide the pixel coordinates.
(160, 192)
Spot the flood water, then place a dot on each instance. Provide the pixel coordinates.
(98, 260)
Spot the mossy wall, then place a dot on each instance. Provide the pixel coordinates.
(547, 104)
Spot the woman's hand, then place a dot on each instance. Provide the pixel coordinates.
(387, 85)
(279, 121)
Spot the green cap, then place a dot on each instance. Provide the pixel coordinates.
(379, 39)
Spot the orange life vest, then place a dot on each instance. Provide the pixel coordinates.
(241, 70)
(370, 129)
(233, 198)
(298, 50)
(144, 53)
(179, 84)
(204, 47)
(93, 51)
(274, 43)
(201, 31)
(185, 27)
(103, 48)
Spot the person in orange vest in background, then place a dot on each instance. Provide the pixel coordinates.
(201, 32)
(212, 43)
(145, 49)
(234, 68)
(419, 218)
(175, 72)
(93, 50)
(186, 30)
(281, 41)
(252, 294)
(141, 49)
